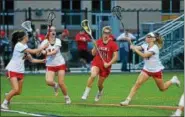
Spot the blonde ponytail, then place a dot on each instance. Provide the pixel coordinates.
(159, 40)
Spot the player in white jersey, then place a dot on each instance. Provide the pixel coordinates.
(55, 63)
(152, 65)
(15, 67)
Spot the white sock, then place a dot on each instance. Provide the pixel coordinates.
(181, 102)
(5, 101)
(128, 98)
(178, 112)
(66, 96)
(87, 90)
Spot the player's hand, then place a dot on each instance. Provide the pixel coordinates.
(44, 52)
(106, 65)
(45, 46)
(43, 61)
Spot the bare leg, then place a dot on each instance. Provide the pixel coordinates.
(100, 87)
(161, 85)
(61, 83)
(94, 73)
(142, 78)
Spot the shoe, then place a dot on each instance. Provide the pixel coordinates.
(84, 97)
(56, 90)
(175, 115)
(68, 100)
(4, 106)
(98, 96)
(125, 103)
(177, 82)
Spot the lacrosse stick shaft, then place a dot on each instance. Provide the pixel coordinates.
(122, 24)
(97, 48)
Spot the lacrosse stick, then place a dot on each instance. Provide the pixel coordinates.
(86, 27)
(116, 11)
(51, 17)
(27, 26)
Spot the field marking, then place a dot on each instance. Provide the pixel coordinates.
(109, 97)
(107, 105)
(21, 112)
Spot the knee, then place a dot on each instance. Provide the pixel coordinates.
(48, 82)
(61, 83)
(93, 74)
(16, 91)
(19, 92)
(161, 89)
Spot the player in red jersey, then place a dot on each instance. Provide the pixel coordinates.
(109, 52)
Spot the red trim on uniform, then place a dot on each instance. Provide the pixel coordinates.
(56, 68)
(157, 75)
(11, 74)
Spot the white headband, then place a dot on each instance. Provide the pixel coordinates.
(151, 34)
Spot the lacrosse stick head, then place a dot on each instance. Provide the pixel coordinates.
(85, 26)
(51, 17)
(27, 26)
(116, 11)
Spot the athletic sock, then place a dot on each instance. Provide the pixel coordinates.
(128, 98)
(87, 90)
(66, 96)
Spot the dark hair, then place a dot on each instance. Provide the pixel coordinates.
(17, 36)
(159, 40)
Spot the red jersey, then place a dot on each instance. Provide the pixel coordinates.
(82, 40)
(106, 51)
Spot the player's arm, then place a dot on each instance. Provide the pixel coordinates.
(35, 51)
(31, 59)
(94, 51)
(143, 55)
(115, 58)
(53, 52)
(138, 47)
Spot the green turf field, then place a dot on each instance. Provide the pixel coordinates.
(37, 97)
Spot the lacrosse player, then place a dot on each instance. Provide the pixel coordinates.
(16, 65)
(101, 66)
(55, 63)
(152, 65)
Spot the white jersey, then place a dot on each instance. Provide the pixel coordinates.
(16, 63)
(57, 59)
(153, 63)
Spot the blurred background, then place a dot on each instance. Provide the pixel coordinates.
(139, 17)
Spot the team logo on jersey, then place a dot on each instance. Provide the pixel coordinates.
(104, 49)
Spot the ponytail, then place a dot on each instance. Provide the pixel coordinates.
(159, 40)
(17, 36)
